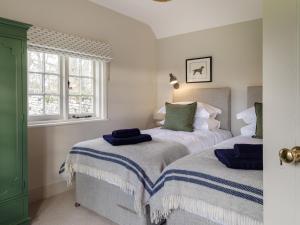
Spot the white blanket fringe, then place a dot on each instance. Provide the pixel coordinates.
(200, 208)
(110, 178)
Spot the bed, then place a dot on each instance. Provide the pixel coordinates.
(199, 190)
(118, 201)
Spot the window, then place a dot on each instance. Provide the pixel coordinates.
(81, 87)
(64, 88)
(44, 79)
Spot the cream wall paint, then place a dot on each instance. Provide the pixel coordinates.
(131, 89)
(237, 61)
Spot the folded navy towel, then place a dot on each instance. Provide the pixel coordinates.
(127, 141)
(248, 151)
(126, 133)
(227, 157)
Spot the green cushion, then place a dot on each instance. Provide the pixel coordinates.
(180, 117)
(259, 120)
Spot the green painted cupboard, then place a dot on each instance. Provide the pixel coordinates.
(13, 123)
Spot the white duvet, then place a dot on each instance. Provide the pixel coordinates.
(195, 142)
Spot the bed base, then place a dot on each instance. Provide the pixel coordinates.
(108, 200)
(180, 217)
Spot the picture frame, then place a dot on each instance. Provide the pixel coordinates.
(199, 70)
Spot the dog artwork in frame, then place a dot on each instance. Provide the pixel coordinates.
(199, 70)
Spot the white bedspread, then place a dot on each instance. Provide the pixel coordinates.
(195, 142)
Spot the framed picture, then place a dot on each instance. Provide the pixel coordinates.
(199, 70)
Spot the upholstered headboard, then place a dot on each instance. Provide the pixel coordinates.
(218, 97)
(254, 94)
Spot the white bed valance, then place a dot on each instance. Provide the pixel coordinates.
(41, 39)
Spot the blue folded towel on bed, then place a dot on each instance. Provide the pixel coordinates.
(126, 133)
(229, 159)
(127, 141)
(248, 151)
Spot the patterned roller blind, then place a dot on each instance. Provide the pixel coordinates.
(41, 39)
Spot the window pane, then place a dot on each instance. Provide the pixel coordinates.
(86, 86)
(74, 66)
(35, 105)
(35, 61)
(74, 88)
(52, 105)
(74, 104)
(87, 104)
(51, 84)
(87, 67)
(35, 83)
(51, 63)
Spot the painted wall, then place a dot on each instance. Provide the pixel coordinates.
(237, 61)
(131, 89)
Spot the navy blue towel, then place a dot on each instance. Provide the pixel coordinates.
(126, 133)
(127, 141)
(227, 157)
(248, 151)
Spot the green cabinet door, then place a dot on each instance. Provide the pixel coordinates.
(13, 124)
(11, 112)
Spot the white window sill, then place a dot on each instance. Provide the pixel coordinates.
(54, 123)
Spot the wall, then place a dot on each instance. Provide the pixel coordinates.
(131, 90)
(237, 61)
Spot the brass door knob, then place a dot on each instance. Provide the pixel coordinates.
(289, 155)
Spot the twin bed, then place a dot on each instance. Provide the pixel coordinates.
(119, 183)
(199, 190)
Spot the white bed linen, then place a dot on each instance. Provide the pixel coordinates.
(195, 142)
(238, 140)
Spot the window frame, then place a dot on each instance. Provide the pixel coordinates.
(95, 89)
(61, 84)
(99, 94)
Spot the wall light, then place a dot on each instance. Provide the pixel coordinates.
(174, 81)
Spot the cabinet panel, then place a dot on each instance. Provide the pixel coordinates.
(12, 211)
(10, 118)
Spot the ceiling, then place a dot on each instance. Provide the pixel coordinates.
(184, 16)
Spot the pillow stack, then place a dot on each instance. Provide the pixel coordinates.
(203, 118)
(253, 118)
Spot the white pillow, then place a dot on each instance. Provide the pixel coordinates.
(248, 130)
(248, 116)
(203, 110)
(213, 111)
(203, 123)
(206, 124)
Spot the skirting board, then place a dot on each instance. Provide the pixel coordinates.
(44, 192)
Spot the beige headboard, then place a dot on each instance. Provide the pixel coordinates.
(218, 97)
(254, 94)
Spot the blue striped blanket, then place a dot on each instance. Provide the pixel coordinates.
(133, 168)
(201, 185)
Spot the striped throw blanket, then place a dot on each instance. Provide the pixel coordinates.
(201, 185)
(133, 168)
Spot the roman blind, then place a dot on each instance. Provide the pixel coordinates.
(41, 39)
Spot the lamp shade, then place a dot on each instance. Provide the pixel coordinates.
(174, 81)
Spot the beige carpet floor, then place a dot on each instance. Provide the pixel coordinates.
(60, 210)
